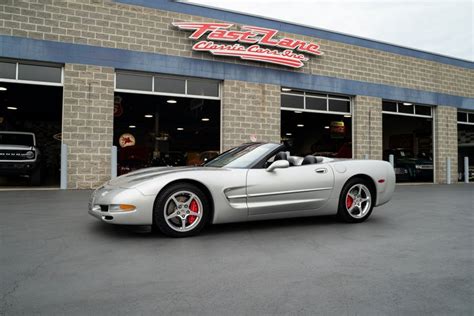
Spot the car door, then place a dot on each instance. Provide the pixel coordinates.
(296, 188)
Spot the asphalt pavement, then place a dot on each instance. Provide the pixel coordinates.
(413, 256)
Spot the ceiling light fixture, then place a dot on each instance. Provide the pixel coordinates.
(12, 108)
(326, 127)
(180, 129)
(285, 89)
(132, 126)
(288, 134)
(171, 101)
(407, 103)
(298, 112)
(205, 119)
(3, 89)
(300, 125)
(347, 115)
(148, 115)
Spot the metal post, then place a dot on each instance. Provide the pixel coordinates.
(63, 170)
(448, 170)
(391, 159)
(466, 169)
(113, 163)
(366, 156)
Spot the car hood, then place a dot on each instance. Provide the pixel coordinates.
(137, 177)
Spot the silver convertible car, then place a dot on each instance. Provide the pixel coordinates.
(254, 181)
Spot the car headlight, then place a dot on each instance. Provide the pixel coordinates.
(122, 208)
(30, 154)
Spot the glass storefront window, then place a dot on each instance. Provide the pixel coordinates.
(316, 104)
(462, 117)
(170, 85)
(339, 106)
(162, 84)
(39, 73)
(315, 101)
(133, 82)
(389, 106)
(423, 110)
(203, 87)
(292, 101)
(7, 70)
(408, 109)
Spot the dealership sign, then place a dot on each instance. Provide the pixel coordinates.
(250, 43)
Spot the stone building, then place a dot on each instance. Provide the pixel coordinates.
(173, 83)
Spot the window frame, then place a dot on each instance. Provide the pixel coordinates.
(398, 104)
(153, 92)
(469, 115)
(35, 82)
(322, 96)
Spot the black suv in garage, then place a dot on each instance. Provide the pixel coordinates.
(409, 167)
(19, 156)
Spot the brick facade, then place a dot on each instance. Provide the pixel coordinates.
(88, 123)
(445, 143)
(246, 108)
(109, 24)
(367, 131)
(249, 109)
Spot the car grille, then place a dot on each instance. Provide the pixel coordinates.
(426, 167)
(13, 155)
(104, 208)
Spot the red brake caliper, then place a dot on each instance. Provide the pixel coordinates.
(193, 206)
(349, 201)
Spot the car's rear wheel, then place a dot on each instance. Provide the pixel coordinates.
(181, 210)
(356, 201)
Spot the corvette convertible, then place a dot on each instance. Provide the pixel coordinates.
(254, 181)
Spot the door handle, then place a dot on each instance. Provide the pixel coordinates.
(321, 170)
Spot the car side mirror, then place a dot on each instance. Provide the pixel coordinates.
(278, 164)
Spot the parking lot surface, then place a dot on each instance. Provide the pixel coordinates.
(413, 256)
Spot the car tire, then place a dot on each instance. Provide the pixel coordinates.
(35, 177)
(354, 207)
(168, 217)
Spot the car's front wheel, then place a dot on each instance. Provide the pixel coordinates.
(181, 210)
(356, 201)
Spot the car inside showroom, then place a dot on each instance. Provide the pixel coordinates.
(165, 120)
(30, 121)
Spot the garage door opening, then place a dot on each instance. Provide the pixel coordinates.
(316, 124)
(30, 134)
(408, 136)
(172, 121)
(465, 145)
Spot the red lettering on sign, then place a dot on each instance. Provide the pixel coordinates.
(249, 35)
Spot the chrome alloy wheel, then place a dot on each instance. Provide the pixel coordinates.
(358, 201)
(183, 211)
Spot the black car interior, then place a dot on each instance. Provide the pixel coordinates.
(296, 161)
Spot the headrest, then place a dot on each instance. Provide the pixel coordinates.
(308, 160)
(281, 156)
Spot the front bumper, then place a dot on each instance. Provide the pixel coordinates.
(103, 197)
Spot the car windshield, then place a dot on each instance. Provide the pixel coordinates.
(16, 139)
(243, 156)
